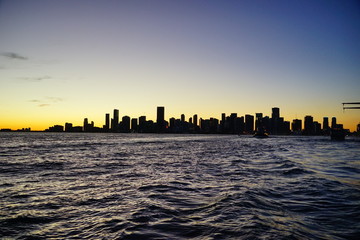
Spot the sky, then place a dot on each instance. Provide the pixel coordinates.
(63, 61)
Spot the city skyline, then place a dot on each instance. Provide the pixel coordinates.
(225, 124)
(111, 123)
(63, 60)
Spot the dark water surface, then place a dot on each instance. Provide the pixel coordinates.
(130, 186)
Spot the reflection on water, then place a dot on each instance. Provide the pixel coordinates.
(129, 186)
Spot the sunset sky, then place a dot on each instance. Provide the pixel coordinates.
(62, 61)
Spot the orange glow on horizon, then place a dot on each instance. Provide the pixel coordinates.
(350, 119)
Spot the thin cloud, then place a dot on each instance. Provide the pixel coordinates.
(47, 101)
(13, 55)
(44, 105)
(35, 79)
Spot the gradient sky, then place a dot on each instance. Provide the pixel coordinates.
(62, 61)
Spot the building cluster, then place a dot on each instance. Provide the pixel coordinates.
(19, 130)
(233, 124)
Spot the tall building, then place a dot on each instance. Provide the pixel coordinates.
(308, 125)
(86, 124)
(134, 124)
(249, 124)
(239, 125)
(160, 119)
(325, 123)
(296, 126)
(266, 121)
(125, 124)
(232, 121)
(107, 122)
(333, 122)
(317, 128)
(276, 123)
(326, 127)
(172, 124)
(223, 128)
(183, 117)
(115, 121)
(195, 120)
(142, 124)
(275, 113)
(258, 120)
(68, 127)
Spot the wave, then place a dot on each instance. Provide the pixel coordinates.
(119, 186)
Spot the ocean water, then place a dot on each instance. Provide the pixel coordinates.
(144, 186)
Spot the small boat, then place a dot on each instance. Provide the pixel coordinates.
(261, 133)
(337, 134)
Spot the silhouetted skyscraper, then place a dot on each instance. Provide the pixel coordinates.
(249, 124)
(276, 122)
(183, 117)
(107, 122)
(115, 121)
(275, 113)
(333, 122)
(134, 125)
(325, 123)
(195, 120)
(86, 123)
(258, 120)
(142, 124)
(223, 125)
(266, 121)
(172, 124)
(232, 121)
(160, 119)
(296, 125)
(125, 124)
(68, 127)
(317, 128)
(239, 125)
(308, 125)
(326, 127)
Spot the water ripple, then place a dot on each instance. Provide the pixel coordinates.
(124, 186)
